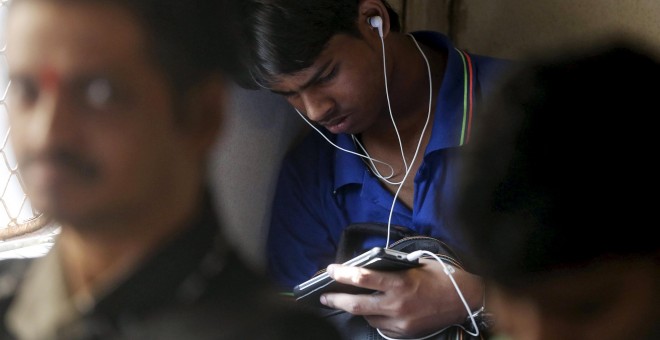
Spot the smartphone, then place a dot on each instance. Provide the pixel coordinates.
(377, 258)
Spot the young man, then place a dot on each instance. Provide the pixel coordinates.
(113, 108)
(556, 204)
(407, 102)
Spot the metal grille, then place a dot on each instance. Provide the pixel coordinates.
(22, 233)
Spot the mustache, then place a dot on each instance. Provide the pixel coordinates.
(78, 165)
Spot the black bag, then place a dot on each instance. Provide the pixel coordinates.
(355, 327)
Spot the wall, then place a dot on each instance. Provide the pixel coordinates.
(519, 28)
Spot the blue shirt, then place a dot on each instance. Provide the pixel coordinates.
(322, 190)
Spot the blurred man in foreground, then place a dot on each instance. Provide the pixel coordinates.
(556, 200)
(114, 106)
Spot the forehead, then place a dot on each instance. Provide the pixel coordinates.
(70, 36)
(339, 48)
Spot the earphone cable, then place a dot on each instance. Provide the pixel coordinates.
(389, 106)
(372, 166)
(419, 143)
(339, 147)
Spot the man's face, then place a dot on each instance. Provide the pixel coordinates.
(607, 300)
(343, 90)
(91, 116)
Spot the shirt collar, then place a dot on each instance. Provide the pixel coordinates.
(42, 301)
(453, 113)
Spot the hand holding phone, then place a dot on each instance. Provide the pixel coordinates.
(382, 259)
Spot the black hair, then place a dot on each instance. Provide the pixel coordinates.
(188, 40)
(281, 37)
(561, 170)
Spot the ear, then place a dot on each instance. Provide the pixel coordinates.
(204, 113)
(371, 8)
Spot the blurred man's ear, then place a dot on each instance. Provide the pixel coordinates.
(203, 112)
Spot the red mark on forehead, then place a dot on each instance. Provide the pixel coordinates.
(48, 78)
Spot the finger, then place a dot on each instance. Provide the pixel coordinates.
(356, 304)
(366, 278)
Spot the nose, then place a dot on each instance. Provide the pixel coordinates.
(53, 122)
(317, 106)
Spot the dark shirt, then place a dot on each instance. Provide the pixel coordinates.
(194, 287)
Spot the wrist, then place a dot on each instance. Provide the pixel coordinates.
(482, 318)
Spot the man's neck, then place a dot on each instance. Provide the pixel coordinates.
(94, 258)
(409, 90)
(409, 87)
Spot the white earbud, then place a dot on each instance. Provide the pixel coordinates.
(376, 22)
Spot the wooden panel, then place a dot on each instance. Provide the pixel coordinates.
(427, 15)
(519, 28)
(397, 5)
